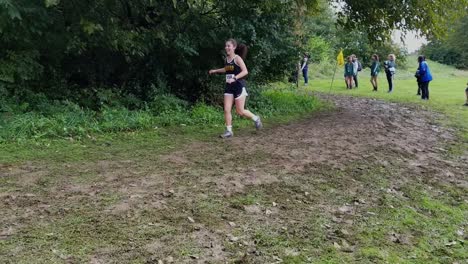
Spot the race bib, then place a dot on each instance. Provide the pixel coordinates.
(229, 76)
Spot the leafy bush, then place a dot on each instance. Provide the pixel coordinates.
(66, 119)
(167, 103)
(203, 114)
(290, 102)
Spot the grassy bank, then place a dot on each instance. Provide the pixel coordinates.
(70, 135)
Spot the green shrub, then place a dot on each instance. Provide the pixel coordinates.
(122, 119)
(65, 119)
(289, 102)
(258, 102)
(205, 114)
(167, 103)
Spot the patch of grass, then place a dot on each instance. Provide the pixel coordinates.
(241, 200)
(424, 227)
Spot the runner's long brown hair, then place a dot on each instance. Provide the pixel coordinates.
(241, 49)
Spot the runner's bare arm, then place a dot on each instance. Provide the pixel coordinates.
(220, 70)
(244, 72)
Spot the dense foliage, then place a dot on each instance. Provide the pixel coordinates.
(70, 49)
(379, 18)
(114, 53)
(326, 39)
(451, 50)
(73, 122)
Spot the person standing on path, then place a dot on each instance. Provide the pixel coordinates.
(418, 80)
(349, 73)
(375, 69)
(425, 76)
(305, 68)
(235, 90)
(466, 93)
(357, 68)
(390, 69)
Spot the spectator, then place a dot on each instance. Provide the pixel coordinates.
(466, 93)
(375, 69)
(390, 69)
(418, 80)
(349, 73)
(357, 68)
(305, 68)
(425, 76)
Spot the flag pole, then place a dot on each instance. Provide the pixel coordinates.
(339, 61)
(334, 73)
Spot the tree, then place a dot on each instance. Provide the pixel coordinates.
(77, 49)
(451, 49)
(379, 18)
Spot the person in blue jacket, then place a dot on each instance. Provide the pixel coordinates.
(425, 77)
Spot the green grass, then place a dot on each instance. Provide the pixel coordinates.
(447, 91)
(113, 136)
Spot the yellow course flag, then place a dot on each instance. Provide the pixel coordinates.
(340, 58)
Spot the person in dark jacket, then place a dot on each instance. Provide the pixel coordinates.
(305, 68)
(425, 76)
(466, 93)
(418, 80)
(390, 69)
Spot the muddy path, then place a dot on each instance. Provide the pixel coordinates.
(293, 191)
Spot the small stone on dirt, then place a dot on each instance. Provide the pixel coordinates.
(345, 243)
(233, 238)
(275, 204)
(344, 232)
(336, 245)
(268, 212)
(451, 243)
(191, 220)
(345, 209)
(232, 224)
(252, 209)
(277, 258)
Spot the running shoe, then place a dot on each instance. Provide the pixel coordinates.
(258, 123)
(227, 134)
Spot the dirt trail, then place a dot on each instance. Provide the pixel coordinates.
(213, 201)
